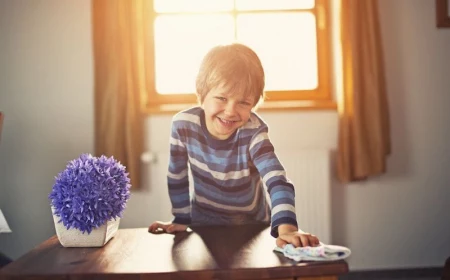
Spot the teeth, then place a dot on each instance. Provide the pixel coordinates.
(226, 121)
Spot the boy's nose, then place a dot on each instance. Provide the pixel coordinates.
(230, 109)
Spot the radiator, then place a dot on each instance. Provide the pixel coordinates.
(309, 171)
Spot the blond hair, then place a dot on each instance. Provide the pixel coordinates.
(234, 66)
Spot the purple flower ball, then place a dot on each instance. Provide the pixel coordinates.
(90, 192)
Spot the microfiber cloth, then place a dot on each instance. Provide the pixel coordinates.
(323, 252)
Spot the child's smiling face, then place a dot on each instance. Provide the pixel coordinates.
(225, 111)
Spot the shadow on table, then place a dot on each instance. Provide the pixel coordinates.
(216, 246)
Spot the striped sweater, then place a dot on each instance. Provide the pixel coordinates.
(228, 175)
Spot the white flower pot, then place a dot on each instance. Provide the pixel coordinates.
(75, 238)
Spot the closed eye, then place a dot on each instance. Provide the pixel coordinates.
(221, 98)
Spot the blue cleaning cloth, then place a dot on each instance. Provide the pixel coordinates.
(323, 252)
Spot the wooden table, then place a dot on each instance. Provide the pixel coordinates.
(240, 252)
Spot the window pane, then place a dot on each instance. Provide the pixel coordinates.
(274, 5)
(286, 44)
(181, 41)
(176, 6)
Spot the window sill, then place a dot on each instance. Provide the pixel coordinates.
(299, 105)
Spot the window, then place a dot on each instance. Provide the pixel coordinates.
(291, 38)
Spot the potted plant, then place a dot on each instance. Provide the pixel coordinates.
(88, 199)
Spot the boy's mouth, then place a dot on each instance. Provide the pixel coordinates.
(227, 122)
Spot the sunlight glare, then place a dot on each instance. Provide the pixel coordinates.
(180, 6)
(244, 5)
(181, 41)
(286, 45)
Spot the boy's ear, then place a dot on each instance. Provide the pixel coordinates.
(258, 103)
(199, 99)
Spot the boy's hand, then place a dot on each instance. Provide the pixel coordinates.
(289, 234)
(169, 227)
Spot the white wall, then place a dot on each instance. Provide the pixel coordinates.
(400, 219)
(46, 86)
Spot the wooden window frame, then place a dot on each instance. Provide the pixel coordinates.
(319, 98)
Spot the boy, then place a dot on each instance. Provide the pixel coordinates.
(229, 154)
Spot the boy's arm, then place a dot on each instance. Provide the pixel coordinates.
(282, 195)
(281, 191)
(178, 179)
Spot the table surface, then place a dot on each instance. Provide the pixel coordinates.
(237, 252)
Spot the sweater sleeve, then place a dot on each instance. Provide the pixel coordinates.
(280, 189)
(178, 179)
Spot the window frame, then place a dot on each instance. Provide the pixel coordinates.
(319, 98)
